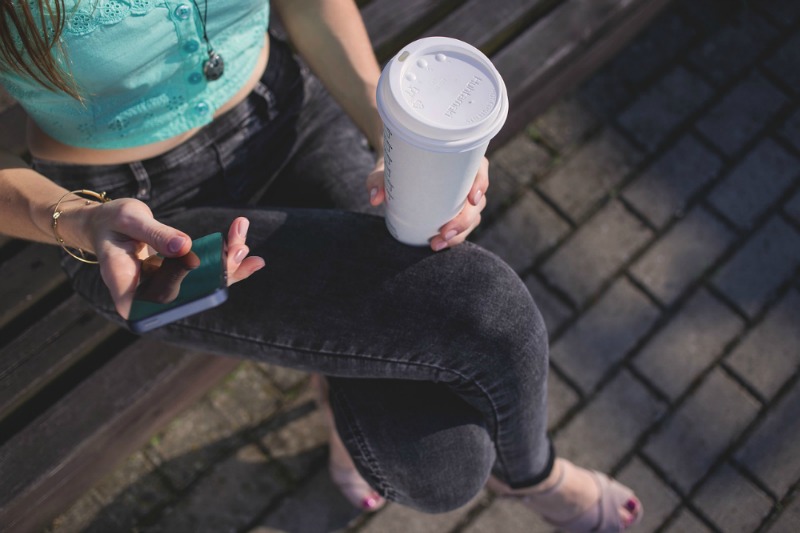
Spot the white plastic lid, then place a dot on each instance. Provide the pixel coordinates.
(442, 94)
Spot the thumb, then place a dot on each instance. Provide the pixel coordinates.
(166, 240)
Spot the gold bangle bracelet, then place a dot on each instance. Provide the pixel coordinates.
(93, 196)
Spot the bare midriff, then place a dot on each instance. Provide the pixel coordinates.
(45, 147)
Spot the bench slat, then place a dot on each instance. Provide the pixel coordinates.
(63, 452)
(43, 352)
(27, 278)
(563, 49)
(393, 24)
(485, 24)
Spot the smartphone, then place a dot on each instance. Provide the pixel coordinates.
(171, 288)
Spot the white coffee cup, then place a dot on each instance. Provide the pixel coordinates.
(441, 101)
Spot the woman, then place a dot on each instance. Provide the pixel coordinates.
(191, 118)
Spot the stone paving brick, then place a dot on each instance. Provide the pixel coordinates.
(789, 520)
(609, 426)
(316, 506)
(246, 396)
(297, 438)
(565, 123)
(742, 113)
(770, 353)
(730, 49)
(686, 522)
(662, 108)
(553, 310)
(702, 428)
(132, 491)
(663, 190)
(524, 231)
(732, 502)
(755, 184)
(233, 493)
(605, 94)
(285, 379)
(522, 158)
(400, 519)
(592, 172)
(80, 516)
(560, 399)
(503, 189)
(653, 50)
(192, 443)
(753, 275)
(688, 344)
(604, 334)
(708, 15)
(596, 251)
(659, 500)
(771, 452)
(785, 63)
(784, 12)
(791, 129)
(793, 207)
(682, 254)
(507, 516)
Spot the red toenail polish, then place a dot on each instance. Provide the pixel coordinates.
(630, 505)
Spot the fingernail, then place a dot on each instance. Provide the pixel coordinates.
(244, 225)
(239, 257)
(630, 505)
(441, 245)
(175, 244)
(450, 234)
(477, 196)
(373, 193)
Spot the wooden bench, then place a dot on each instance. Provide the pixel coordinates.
(77, 394)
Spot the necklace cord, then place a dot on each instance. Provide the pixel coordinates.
(204, 19)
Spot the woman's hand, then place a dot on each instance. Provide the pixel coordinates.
(123, 233)
(458, 229)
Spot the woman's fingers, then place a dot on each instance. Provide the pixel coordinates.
(120, 272)
(375, 185)
(237, 234)
(481, 183)
(239, 265)
(457, 230)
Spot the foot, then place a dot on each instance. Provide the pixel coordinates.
(340, 465)
(579, 500)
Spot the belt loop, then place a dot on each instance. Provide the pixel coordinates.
(142, 180)
(264, 92)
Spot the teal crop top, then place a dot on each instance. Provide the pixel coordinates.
(139, 66)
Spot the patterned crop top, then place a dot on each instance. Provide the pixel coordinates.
(139, 66)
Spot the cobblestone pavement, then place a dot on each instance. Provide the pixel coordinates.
(655, 216)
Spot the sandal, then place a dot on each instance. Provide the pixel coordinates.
(601, 517)
(340, 465)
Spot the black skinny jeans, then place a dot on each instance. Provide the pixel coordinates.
(437, 361)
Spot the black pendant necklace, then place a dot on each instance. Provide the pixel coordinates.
(214, 66)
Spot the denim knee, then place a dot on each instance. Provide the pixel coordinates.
(450, 475)
(493, 318)
(415, 442)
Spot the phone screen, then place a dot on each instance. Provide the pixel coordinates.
(173, 288)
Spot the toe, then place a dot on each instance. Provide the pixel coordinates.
(629, 512)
